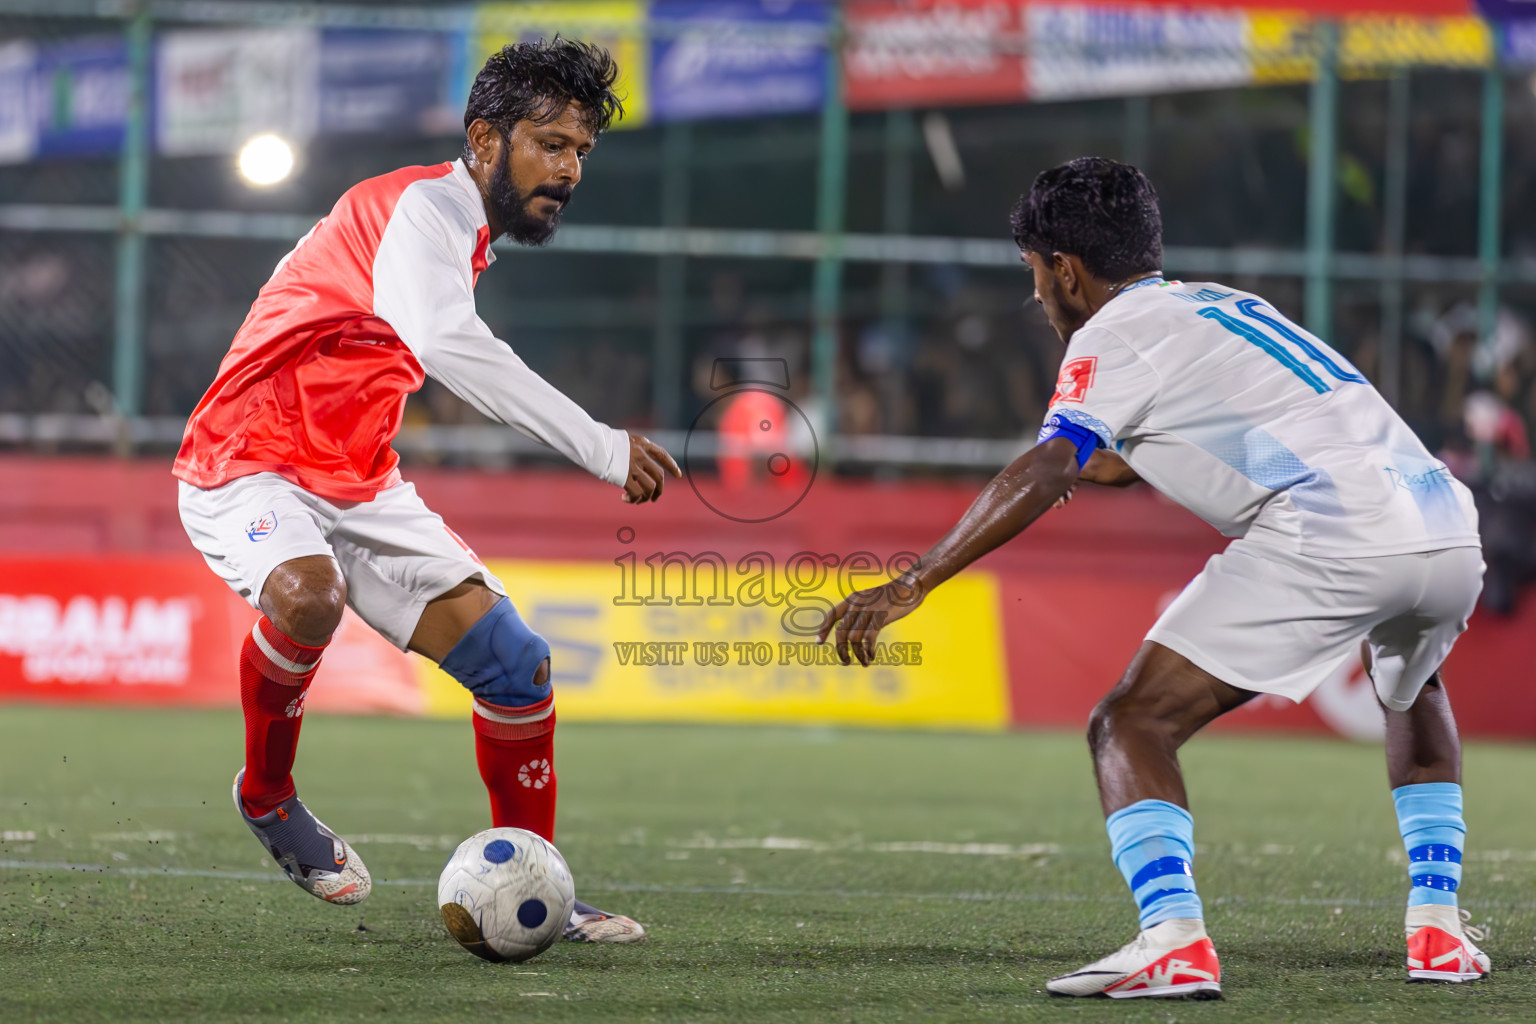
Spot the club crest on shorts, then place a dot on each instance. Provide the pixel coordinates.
(1075, 380)
(261, 527)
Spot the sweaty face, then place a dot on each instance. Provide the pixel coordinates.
(539, 167)
(1051, 295)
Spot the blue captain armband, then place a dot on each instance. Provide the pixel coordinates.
(1086, 440)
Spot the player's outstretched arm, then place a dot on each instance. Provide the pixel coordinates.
(423, 288)
(1016, 497)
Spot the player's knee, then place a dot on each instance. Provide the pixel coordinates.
(501, 660)
(305, 601)
(1101, 724)
(1125, 710)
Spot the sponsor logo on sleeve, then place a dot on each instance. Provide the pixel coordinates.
(261, 527)
(1075, 380)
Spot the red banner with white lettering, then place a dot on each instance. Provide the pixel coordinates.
(141, 630)
(929, 53)
(163, 630)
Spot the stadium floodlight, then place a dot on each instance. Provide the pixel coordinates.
(265, 160)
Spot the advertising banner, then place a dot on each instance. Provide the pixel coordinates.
(1283, 46)
(1500, 9)
(18, 126)
(1518, 45)
(678, 638)
(1370, 43)
(80, 92)
(386, 80)
(618, 25)
(1078, 50)
(155, 631)
(66, 98)
(715, 61)
(929, 53)
(214, 90)
(1056, 676)
(625, 647)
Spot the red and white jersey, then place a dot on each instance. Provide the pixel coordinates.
(378, 296)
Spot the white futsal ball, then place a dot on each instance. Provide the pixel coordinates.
(506, 894)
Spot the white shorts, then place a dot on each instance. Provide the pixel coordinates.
(1265, 619)
(395, 553)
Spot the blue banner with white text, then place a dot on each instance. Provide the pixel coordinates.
(737, 58)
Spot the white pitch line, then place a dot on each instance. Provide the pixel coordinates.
(112, 869)
(733, 890)
(820, 846)
(405, 839)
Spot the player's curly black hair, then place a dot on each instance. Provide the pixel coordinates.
(535, 81)
(1101, 211)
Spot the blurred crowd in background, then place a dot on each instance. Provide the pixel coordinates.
(924, 350)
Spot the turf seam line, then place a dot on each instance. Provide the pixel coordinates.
(727, 890)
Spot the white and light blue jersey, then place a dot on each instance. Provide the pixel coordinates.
(1255, 425)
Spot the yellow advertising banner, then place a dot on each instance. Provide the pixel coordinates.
(617, 25)
(1283, 46)
(707, 642)
(1372, 43)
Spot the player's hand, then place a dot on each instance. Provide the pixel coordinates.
(864, 613)
(1061, 502)
(649, 465)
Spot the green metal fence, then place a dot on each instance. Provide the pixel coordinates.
(890, 141)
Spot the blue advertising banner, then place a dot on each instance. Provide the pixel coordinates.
(387, 80)
(83, 85)
(1517, 47)
(18, 129)
(705, 65)
(1498, 9)
(63, 99)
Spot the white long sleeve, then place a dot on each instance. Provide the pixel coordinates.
(423, 288)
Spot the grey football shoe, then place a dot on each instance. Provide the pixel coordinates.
(318, 860)
(588, 924)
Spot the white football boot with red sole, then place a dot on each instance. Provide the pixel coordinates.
(1171, 960)
(1440, 945)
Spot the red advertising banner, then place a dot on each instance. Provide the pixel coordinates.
(1332, 8)
(1070, 637)
(929, 53)
(102, 599)
(163, 630)
(140, 630)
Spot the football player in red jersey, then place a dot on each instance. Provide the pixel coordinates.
(291, 491)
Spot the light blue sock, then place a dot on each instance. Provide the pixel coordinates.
(1429, 817)
(1153, 842)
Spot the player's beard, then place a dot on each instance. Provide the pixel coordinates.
(518, 222)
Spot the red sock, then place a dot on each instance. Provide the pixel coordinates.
(515, 748)
(274, 676)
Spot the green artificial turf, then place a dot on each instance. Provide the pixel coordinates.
(783, 874)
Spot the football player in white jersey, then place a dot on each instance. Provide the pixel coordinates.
(1348, 536)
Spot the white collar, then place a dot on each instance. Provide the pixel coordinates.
(467, 182)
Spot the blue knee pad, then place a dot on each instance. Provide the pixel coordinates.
(498, 657)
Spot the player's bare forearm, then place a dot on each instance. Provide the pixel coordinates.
(1014, 499)
(1107, 469)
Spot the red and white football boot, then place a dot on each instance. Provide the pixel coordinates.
(1440, 945)
(1171, 960)
(588, 924)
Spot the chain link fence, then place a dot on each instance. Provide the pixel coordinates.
(690, 241)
